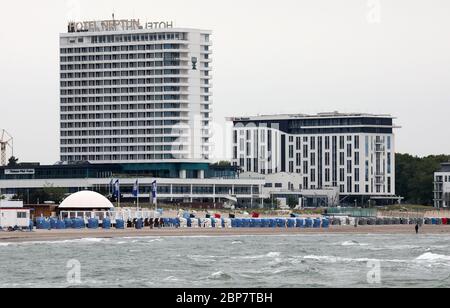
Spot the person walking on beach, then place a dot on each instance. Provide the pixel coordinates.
(417, 228)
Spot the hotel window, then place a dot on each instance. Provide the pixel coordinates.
(298, 159)
(367, 171)
(357, 142)
(327, 143)
(305, 183)
(341, 142)
(349, 166)
(357, 158)
(389, 163)
(305, 151)
(298, 144)
(349, 150)
(327, 159)
(313, 159)
(367, 146)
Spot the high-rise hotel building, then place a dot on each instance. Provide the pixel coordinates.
(351, 152)
(133, 93)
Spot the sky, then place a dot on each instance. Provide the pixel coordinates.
(269, 57)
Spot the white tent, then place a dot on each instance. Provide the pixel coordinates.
(86, 200)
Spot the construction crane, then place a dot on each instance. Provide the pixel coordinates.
(6, 141)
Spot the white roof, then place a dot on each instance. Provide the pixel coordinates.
(86, 200)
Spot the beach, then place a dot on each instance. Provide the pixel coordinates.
(72, 234)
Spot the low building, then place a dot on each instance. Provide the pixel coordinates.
(14, 217)
(442, 187)
(11, 204)
(286, 189)
(177, 183)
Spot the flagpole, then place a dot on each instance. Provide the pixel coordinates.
(137, 197)
(118, 193)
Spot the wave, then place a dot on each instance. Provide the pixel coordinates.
(203, 258)
(58, 242)
(220, 276)
(254, 257)
(428, 256)
(332, 259)
(353, 243)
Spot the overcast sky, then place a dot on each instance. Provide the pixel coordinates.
(285, 56)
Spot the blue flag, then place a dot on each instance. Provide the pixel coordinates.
(117, 189)
(136, 189)
(154, 190)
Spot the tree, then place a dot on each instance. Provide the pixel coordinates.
(292, 202)
(415, 177)
(55, 194)
(12, 162)
(222, 163)
(47, 193)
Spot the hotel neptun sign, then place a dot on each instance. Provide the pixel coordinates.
(116, 25)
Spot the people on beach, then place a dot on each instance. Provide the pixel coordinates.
(417, 228)
(151, 222)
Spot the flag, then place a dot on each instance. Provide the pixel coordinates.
(154, 191)
(117, 189)
(111, 186)
(136, 189)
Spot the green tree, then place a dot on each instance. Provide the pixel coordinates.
(222, 163)
(55, 194)
(415, 176)
(47, 193)
(292, 202)
(12, 162)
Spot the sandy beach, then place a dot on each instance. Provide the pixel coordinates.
(58, 235)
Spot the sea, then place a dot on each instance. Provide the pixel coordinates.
(289, 261)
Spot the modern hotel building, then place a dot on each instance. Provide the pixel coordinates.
(442, 187)
(354, 153)
(135, 94)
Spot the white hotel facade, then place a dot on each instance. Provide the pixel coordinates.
(352, 153)
(442, 187)
(132, 95)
